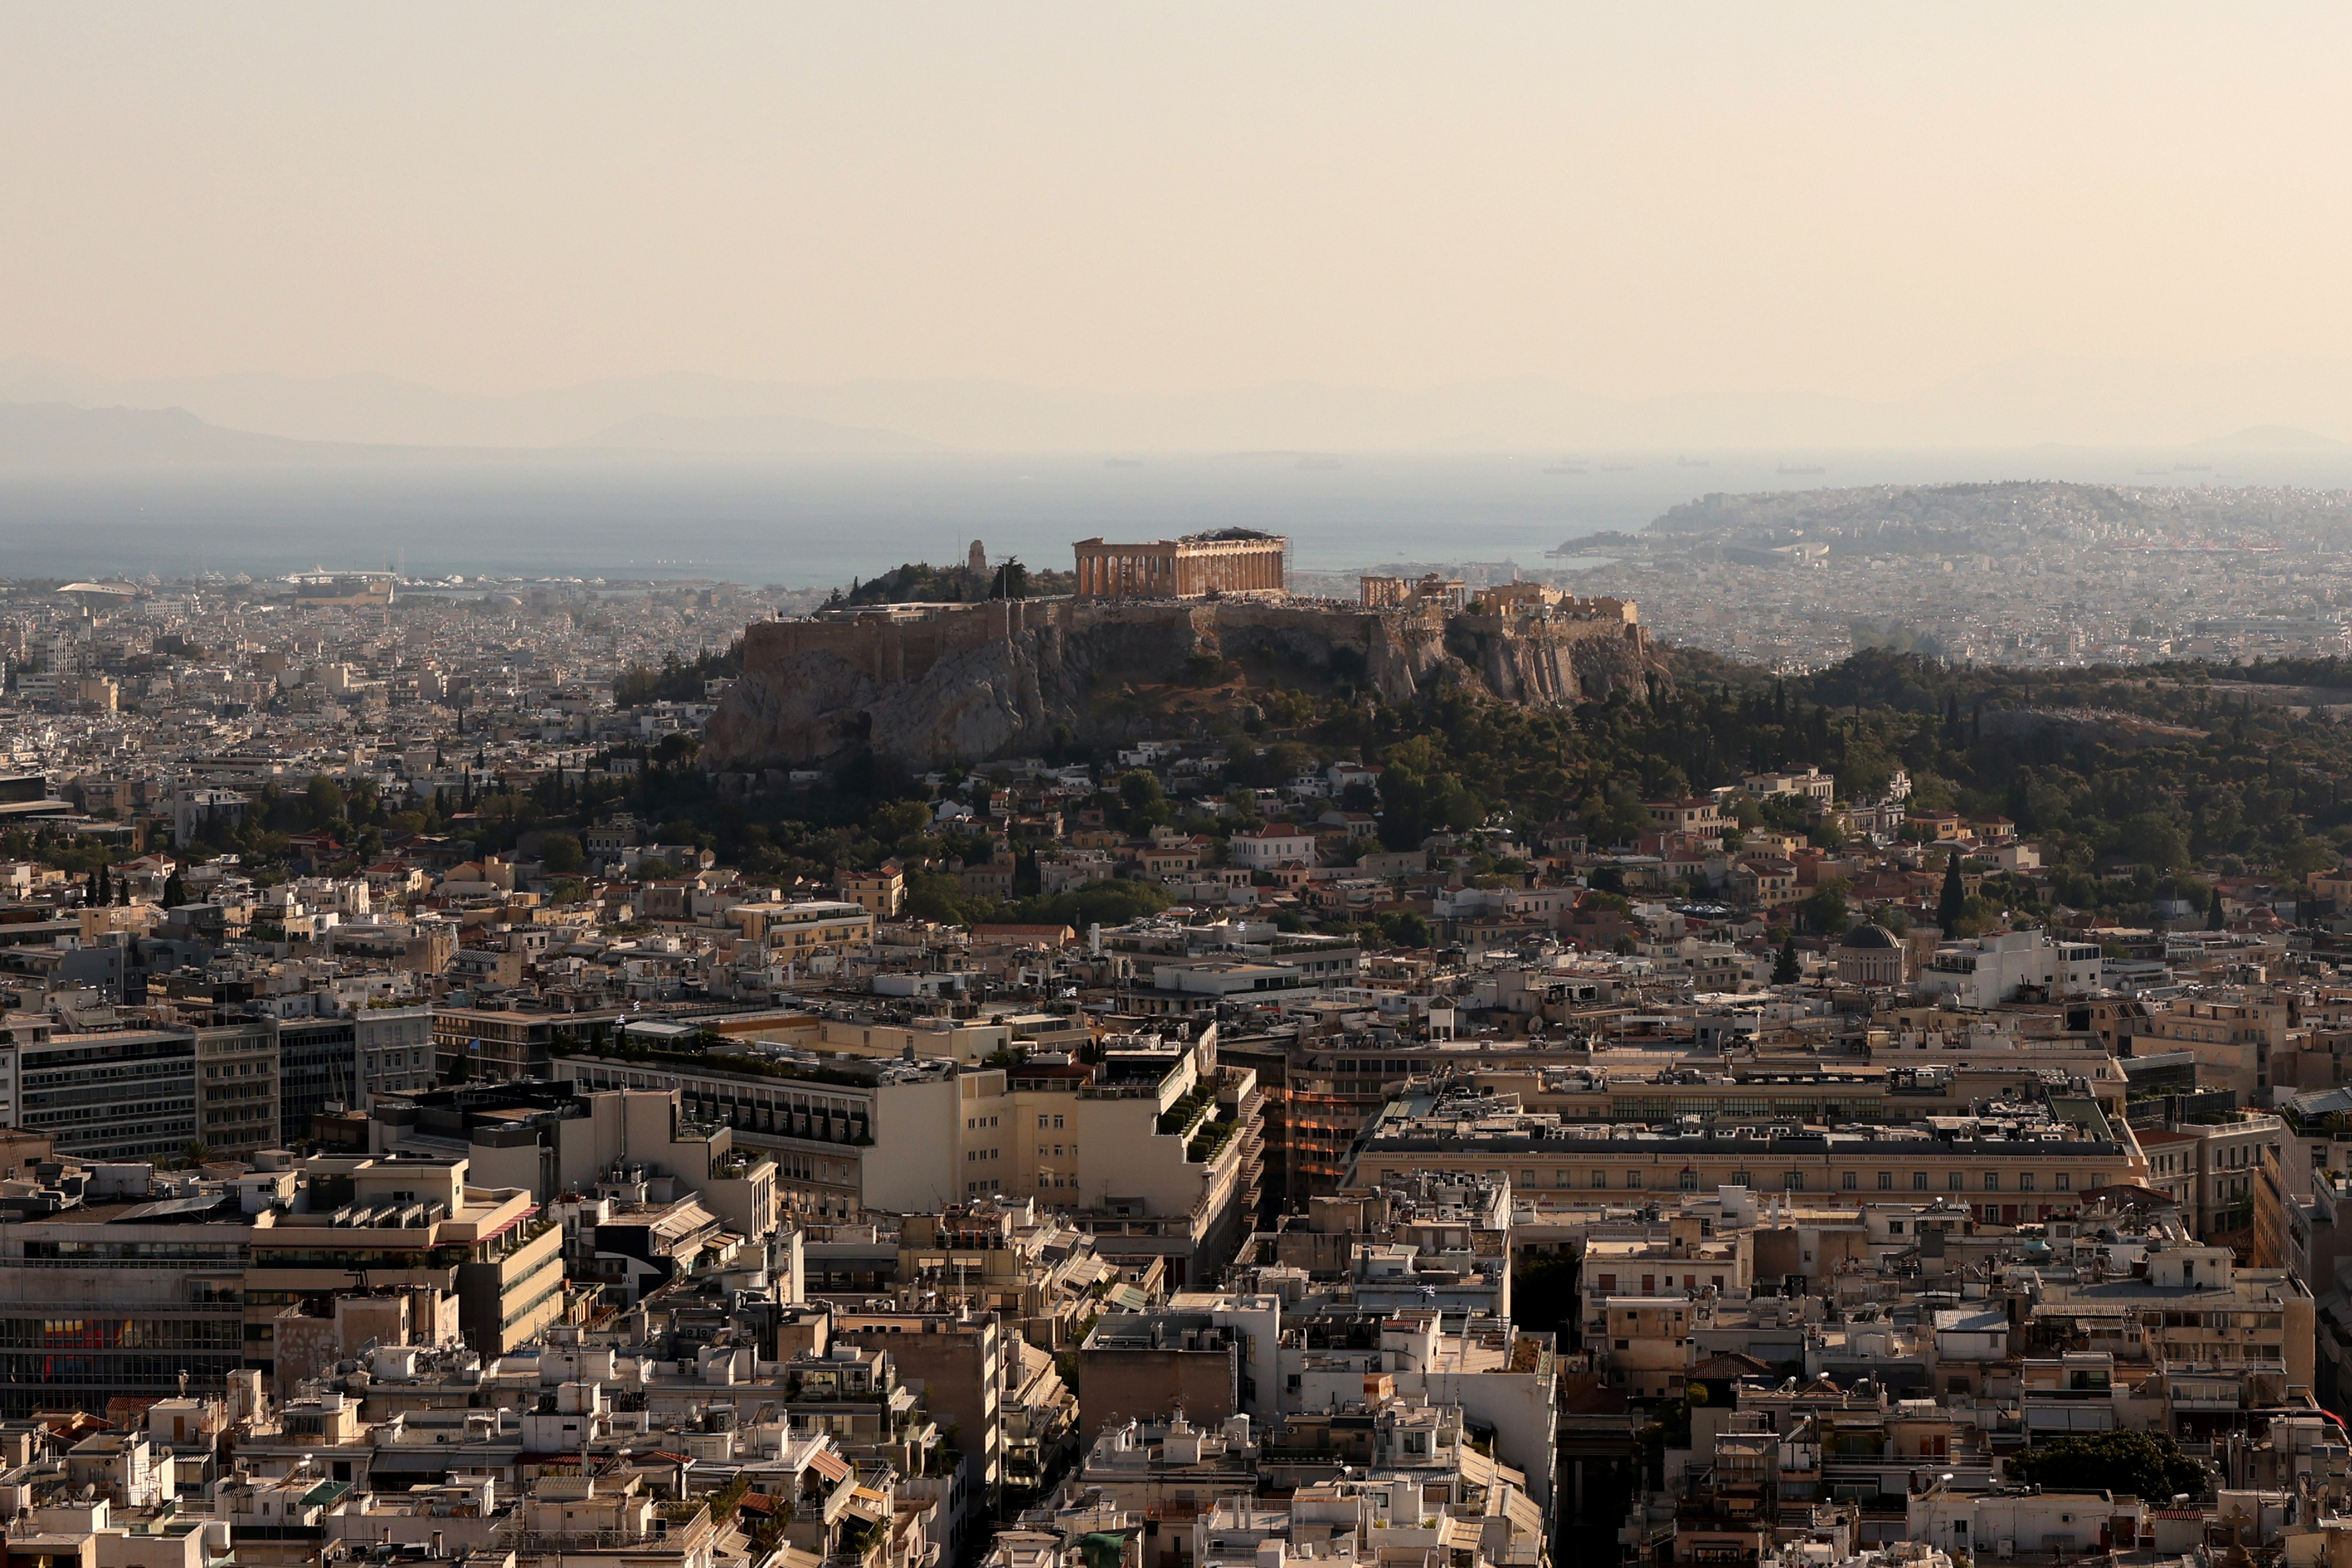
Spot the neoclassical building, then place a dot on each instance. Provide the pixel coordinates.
(1872, 956)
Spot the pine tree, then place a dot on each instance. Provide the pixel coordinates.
(1955, 896)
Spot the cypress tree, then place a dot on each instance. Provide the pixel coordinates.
(2213, 911)
(1784, 966)
(1955, 896)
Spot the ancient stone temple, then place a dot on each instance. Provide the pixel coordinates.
(1230, 561)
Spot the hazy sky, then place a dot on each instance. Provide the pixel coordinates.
(1632, 199)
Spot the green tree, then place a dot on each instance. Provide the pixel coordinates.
(323, 801)
(2153, 838)
(2306, 855)
(1785, 970)
(176, 891)
(1406, 928)
(1955, 895)
(2139, 1464)
(1138, 791)
(1824, 908)
(895, 824)
(2213, 915)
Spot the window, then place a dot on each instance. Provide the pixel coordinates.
(1895, 1227)
(1953, 1181)
(2065, 1182)
(1689, 1181)
(1850, 1180)
(1992, 1181)
(1885, 1181)
(1634, 1178)
(1600, 1178)
(2025, 1182)
(1041, 1121)
(1057, 1124)
(1918, 1181)
(1793, 1181)
(1607, 1282)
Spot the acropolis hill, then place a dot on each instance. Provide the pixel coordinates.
(1122, 659)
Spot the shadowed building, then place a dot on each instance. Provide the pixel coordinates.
(1229, 560)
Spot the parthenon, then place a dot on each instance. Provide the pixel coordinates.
(1229, 560)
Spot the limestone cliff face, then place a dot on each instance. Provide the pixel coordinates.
(999, 679)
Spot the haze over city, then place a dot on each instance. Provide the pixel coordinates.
(1050, 785)
(1057, 227)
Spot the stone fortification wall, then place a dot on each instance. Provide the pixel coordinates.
(971, 682)
(897, 649)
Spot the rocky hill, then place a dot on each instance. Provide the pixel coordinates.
(964, 684)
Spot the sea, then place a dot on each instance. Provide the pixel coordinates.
(817, 523)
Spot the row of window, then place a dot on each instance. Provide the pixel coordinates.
(118, 1370)
(1848, 1180)
(118, 1333)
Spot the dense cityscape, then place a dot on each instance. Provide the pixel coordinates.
(2029, 574)
(1428, 1069)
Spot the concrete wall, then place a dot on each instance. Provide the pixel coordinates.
(957, 1364)
(1115, 1385)
(916, 1165)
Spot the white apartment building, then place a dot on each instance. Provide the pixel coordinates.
(1813, 784)
(1273, 845)
(1991, 970)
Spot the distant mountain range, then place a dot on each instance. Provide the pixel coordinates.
(2267, 406)
(60, 435)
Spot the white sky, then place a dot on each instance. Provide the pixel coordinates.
(1861, 199)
